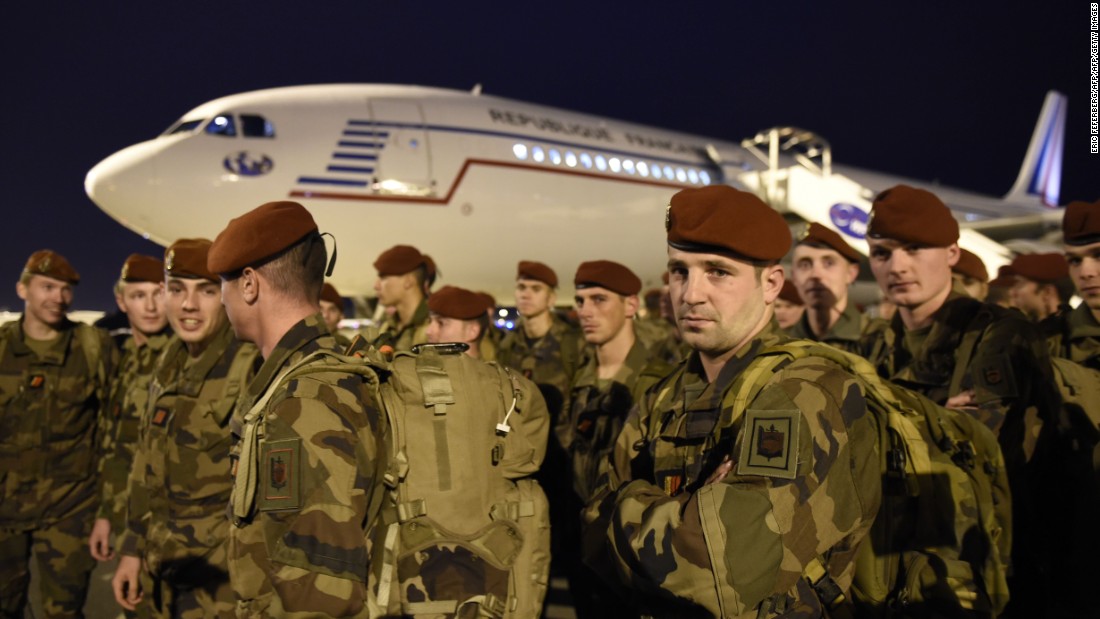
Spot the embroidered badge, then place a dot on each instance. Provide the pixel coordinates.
(160, 417)
(280, 472)
(672, 483)
(770, 443)
(169, 260)
(36, 381)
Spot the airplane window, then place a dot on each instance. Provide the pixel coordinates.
(656, 171)
(555, 157)
(628, 165)
(183, 126)
(222, 125)
(643, 169)
(681, 175)
(705, 177)
(669, 174)
(615, 164)
(520, 151)
(586, 160)
(537, 154)
(694, 176)
(601, 163)
(570, 159)
(256, 126)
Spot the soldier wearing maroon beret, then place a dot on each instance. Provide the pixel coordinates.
(823, 268)
(1041, 285)
(963, 353)
(970, 273)
(458, 316)
(139, 294)
(696, 491)
(54, 380)
(308, 444)
(332, 306)
(789, 306)
(405, 278)
(1077, 337)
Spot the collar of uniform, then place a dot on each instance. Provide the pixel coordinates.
(635, 362)
(307, 335)
(1082, 324)
(55, 355)
(195, 375)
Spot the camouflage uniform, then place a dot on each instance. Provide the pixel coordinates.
(548, 361)
(1000, 355)
(740, 547)
(181, 481)
(405, 337)
(299, 548)
(128, 400)
(662, 339)
(1074, 335)
(844, 334)
(50, 407)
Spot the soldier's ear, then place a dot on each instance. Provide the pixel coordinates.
(248, 284)
(771, 280)
(953, 254)
(21, 290)
(631, 303)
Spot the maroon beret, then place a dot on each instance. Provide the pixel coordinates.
(258, 234)
(459, 303)
(529, 269)
(911, 215)
(142, 268)
(51, 264)
(606, 274)
(189, 258)
(1042, 268)
(1004, 279)
(817, 235)
(330, 294)
(490, 300)
(789, 293)
(719, 219)
(971, 265)
(1081, 223)
(401, 259)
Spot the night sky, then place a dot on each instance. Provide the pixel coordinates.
(933, 91)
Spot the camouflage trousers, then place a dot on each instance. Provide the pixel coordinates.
(192, 587)
(64, 565)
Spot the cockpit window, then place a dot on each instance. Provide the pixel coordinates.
(222, 125)
(256, 126)
(183, 126)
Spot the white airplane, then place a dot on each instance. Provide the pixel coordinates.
(481, 182)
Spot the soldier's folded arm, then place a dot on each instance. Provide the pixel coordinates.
(728, 546)
(314, 492)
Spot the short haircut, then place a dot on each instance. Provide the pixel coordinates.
(298, 271)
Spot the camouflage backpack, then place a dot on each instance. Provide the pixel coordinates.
(940, 543)
(464, 529)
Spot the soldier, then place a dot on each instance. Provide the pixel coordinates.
(405, 278)
(543, 347)
(617, 369)
(309, 447)
(824, 267)
(962, 353)
(1041, 284)
(788, 306)
(174, 549)
(970, 273)
(457, 315)
(53, 387)
(332, 307)
(1075, 335)
(720, 508)
(490, 339)
(139, 294)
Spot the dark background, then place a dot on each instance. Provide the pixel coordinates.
(932, 91)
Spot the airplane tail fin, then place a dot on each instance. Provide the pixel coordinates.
(1041, 173)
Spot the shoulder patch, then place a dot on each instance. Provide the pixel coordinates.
(770, 444)
(280, 475)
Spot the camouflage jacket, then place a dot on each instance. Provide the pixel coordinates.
(549, 361)
(844, 334)
(662, 339)
(405, 337)
(180, 480)
(129, 397)
(597, 410)
(1074, 335)
(299, 547)
(804, 489)
(50, 408)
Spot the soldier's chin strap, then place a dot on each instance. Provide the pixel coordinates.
(331, 260)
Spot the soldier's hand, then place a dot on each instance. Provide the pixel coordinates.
(99, 542)
(720, 472)
(962, 400)
(126, 584)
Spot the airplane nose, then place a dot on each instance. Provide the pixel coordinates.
(125, 184)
